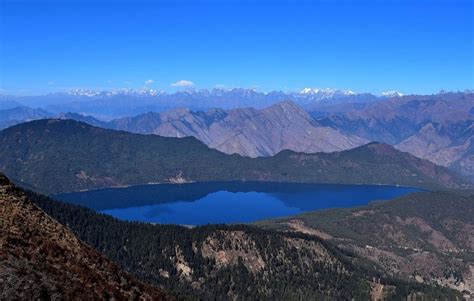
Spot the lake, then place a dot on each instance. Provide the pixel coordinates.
(226, 202)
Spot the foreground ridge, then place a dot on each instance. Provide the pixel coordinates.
(42, 259)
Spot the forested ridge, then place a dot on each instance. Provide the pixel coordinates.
(423, 235)
(55, 156)
(225, 262)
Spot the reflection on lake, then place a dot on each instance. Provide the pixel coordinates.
(226, 202)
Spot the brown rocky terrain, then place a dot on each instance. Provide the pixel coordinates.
(435, 127)
(438, 127)
(449, 145)
(42, 259)
(247, 131)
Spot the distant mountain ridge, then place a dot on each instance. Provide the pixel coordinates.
(128, 102)
(64, 155)
(247, 132)
(434, 127)
(19, 114)
(438, 128)
(120, 103)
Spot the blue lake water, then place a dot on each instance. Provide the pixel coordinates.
(226, 202)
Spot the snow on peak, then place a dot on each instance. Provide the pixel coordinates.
(133, 92)
(392, 94)
(326, 92)
(83, 92)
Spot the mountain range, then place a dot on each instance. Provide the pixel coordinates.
(121, 103)
(55, 155)
(249, 132)
(417, 246)
(437, 127)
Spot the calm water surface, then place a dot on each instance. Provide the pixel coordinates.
(226, 202)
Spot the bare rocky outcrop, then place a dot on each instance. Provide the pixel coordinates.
(239, 247)
(246, 131)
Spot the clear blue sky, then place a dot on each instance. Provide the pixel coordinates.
(415, 46)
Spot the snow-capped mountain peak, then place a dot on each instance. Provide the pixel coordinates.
(326, 92)
(131, 92)
(392, 94)
(83, 92)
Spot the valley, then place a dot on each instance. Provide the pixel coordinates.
(236, 150)
(337, 217)
(243, 261)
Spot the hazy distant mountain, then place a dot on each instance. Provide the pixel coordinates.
(450, 145)
(64, 155)
(248, 132)
(120, 103)
(7, 103)
(436, 127)
(20, 114)
(391, 94)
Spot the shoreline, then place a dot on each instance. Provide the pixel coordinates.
(236, 181)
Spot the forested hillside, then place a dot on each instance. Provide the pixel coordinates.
(428, 236)
(56, 156)
(233, 262)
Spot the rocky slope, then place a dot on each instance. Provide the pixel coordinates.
(249, 132)
(437, 127)
(434, 127)
(428, 237)
(41, 259)
(63, 155)
(450, 145)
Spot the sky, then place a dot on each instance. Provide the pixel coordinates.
(416, 46)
